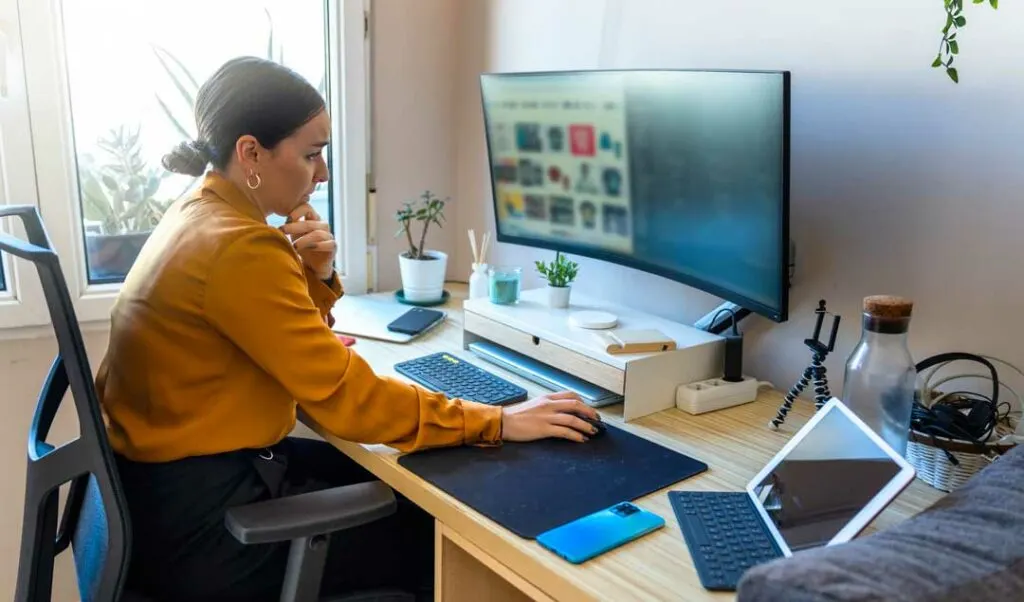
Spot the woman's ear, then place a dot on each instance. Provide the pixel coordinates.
(247, 151)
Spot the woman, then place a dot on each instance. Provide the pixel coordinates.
(221, 330)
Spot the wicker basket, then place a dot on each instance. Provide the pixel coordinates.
(929, 457)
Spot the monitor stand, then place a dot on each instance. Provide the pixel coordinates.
(646, 381)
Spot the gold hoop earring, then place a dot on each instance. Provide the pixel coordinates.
(249, 183)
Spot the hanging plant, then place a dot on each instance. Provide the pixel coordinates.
(949, 47)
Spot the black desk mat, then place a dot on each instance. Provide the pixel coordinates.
(529, 488)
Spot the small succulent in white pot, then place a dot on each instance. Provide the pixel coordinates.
(560, 275)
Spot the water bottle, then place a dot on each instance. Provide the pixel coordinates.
(880, 374)
(478, 281)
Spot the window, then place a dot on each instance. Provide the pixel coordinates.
(132, 93)
(109, 87)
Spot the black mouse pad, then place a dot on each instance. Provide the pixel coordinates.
(529, 488)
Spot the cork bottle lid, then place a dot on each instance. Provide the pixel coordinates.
(888, 306)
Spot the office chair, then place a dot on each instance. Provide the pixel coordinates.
(95, 522)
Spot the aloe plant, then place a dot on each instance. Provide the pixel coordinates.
(121, 194)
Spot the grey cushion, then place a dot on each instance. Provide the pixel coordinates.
(968, 546)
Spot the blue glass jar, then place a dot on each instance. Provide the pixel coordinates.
(503, 285)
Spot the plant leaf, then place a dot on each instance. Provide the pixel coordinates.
(151, 187)
(96, 205)
(960, 21)
(187, 95)
(954, 48)
(937, 62)
(951, 72)
(180, 65)
(174, 120)
(270, 36)
(994, 3)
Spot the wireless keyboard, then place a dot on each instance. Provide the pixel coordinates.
(457, 378)
(725, 535)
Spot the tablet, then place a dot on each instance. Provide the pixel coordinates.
(829, 482)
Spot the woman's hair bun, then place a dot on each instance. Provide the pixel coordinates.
(190, 158)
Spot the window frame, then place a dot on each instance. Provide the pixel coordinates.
(21, 303)
(50, 144)
(348, 76)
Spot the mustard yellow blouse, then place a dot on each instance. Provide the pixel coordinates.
(219, 334)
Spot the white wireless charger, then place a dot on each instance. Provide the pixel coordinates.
(593, 320)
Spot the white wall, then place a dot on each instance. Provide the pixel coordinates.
(902, 182)
(413, 118)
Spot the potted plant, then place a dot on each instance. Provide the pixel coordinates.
(422, 269)
(119, 203)
(560, 275)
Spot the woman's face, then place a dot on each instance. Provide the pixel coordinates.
(294, 167)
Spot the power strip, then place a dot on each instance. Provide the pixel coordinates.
(715, 394)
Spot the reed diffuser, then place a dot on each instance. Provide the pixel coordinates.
(478, 276)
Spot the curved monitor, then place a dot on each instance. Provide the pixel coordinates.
(678, 173)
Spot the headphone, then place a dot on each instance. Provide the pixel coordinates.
(962, 415)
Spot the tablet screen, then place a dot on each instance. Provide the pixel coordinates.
(824, 481)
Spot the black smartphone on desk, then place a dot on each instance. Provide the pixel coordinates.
(416, 320)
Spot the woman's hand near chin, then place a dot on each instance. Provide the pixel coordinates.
(312, 239)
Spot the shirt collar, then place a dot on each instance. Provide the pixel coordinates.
(226, 190)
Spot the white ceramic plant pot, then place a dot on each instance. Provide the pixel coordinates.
(423, 279)
(558, 296)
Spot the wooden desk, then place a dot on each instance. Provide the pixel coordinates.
(477, 560)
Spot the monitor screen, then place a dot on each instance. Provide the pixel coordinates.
(677, 173)
(829, 476)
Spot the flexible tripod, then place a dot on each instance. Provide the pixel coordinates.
(815, 372)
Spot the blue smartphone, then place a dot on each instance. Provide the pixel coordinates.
(597, 533)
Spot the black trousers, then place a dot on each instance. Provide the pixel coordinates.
(182, 552)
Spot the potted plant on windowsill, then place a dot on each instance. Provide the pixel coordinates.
(120, 204)
(422, 269)
(560, 275)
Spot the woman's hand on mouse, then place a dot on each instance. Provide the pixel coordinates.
(312, 239)
(554, 415)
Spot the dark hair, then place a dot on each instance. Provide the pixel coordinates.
(246, 95)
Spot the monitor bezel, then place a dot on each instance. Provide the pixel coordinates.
(872, 509)
(776, 314)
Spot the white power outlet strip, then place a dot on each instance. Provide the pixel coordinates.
(715, 394)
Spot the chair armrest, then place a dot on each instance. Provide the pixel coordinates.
(308, 514)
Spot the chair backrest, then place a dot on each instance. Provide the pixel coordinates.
(95, 522)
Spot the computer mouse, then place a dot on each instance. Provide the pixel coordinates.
(597, 424)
